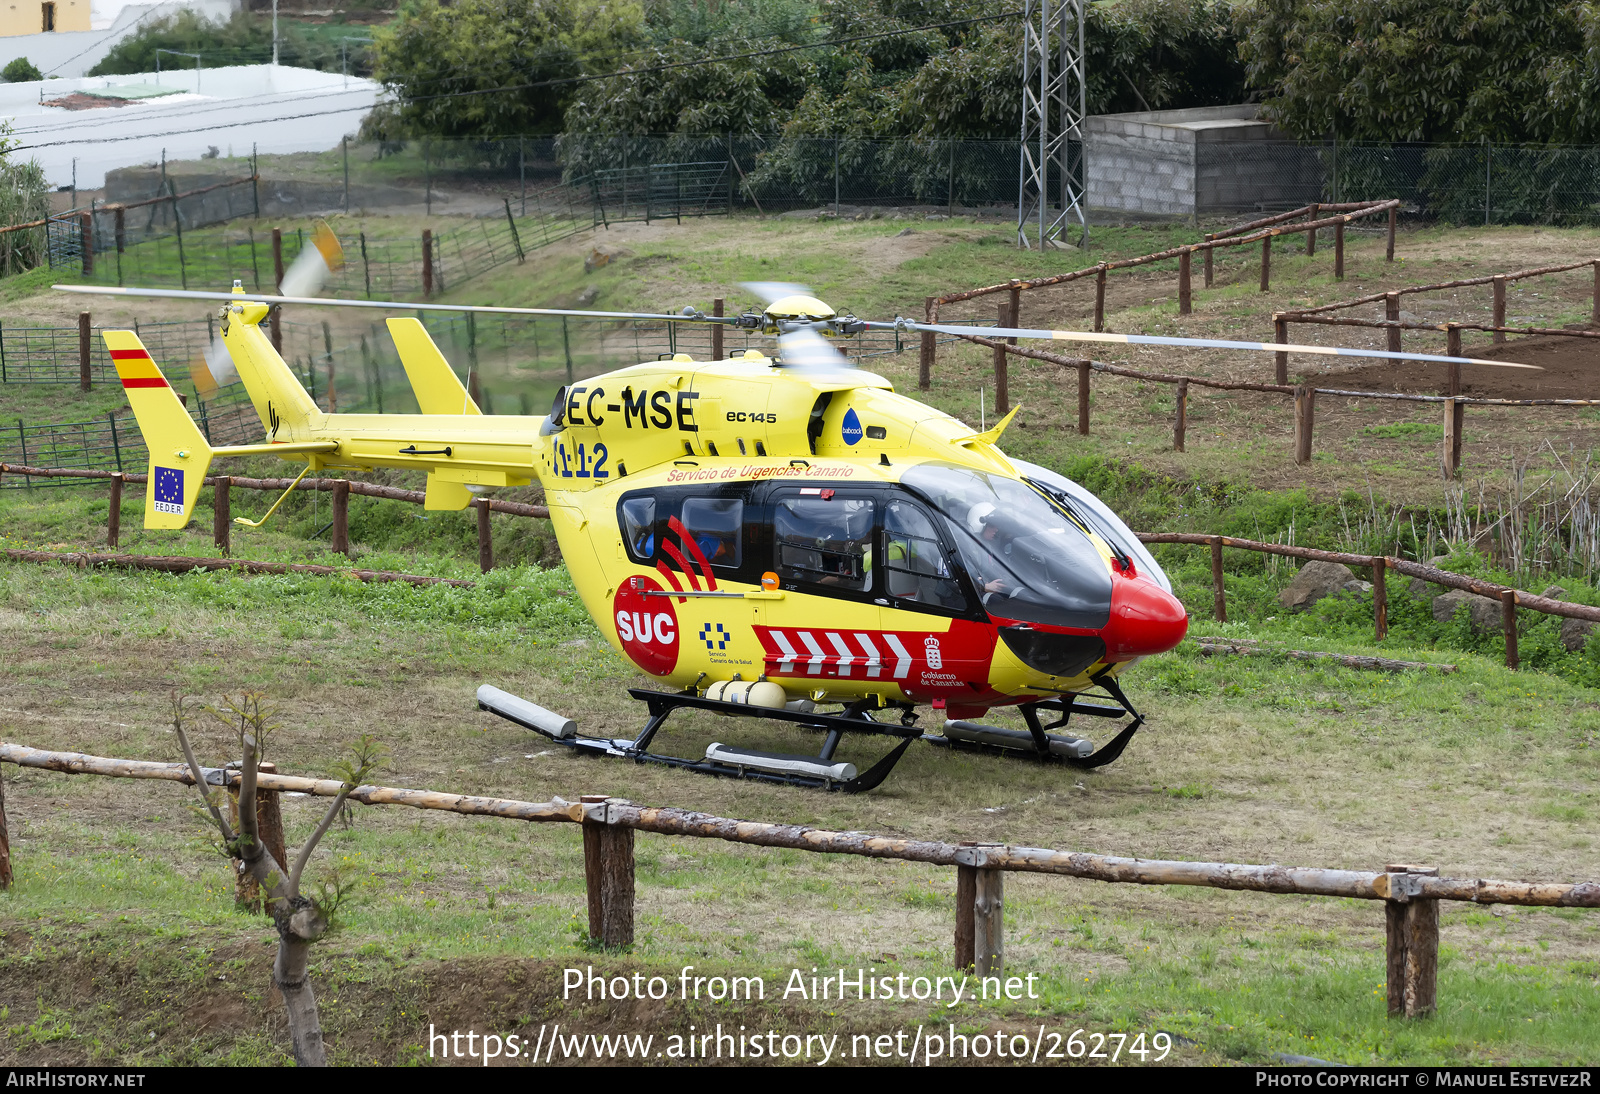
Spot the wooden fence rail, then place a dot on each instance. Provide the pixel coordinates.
(1304, 395)
(1263, 231)
(1410, 893)
(1510, 599)
(341, 489)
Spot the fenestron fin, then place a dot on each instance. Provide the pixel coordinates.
(438, 389)
(179, 454)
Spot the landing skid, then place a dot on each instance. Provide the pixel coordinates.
(1038, 743)
(821, 772)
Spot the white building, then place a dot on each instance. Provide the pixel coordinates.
(74, 50)
(182, 113)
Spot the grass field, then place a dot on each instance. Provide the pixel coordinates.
(122, 942)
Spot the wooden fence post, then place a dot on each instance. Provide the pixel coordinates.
(222, 515)
(1083, 398)
(1500, 305)
(1311, 233)
(85, 346)
(1508, 621)
(341, 517)
(1280, 360)
(929, 348)
(1016, 307)
(1338, 251)
(1002, 394)
(1455, 411)
(1219, 599)
(716, 330)
(1380, 597)
(988, 923)
(608, 874)
(1266, 263)
(1209, 250)
(269, 824)
(427, 262)
(986, 908)
(1181, 418)
(1100, 298)
(1391, 312)
(966, 901)
(485, 541)
(119, 229)
(1305, 410)
(1594, 304)
(1184, 302)
(274, 325)
(1412, 943)
(5, 838)
(1393, 214)
(114, 514)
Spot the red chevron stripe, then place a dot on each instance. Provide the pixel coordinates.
(145, 381)
(130, 355)
(674, 524)
(666, 574)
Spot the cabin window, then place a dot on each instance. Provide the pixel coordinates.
(49, 17)
(914, 564)
(714, 525)
(639, 526)
(825, 541)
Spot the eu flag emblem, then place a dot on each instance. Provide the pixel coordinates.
(169, 490)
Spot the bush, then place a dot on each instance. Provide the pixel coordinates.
(21, 71)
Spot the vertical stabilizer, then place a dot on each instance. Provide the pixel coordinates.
(434, 382)
(179, 454)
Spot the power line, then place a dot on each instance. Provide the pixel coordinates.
(566, 80)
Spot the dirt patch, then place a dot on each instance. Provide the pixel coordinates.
(1570, 372)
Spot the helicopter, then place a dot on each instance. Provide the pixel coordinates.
(773, 537)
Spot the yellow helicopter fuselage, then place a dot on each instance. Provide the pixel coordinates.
(727, 520)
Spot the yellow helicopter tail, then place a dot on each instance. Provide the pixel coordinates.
(179, 454)
(438, 389)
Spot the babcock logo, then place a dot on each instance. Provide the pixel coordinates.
(851, 429)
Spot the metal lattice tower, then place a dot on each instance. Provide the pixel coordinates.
(1050, 196)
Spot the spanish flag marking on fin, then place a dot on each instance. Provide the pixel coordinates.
(135, 368)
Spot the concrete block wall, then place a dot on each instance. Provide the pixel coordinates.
(1195, 162)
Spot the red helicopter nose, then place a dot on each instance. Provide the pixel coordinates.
(1145, 619)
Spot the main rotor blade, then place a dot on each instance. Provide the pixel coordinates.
(387, 305)
(805, 348)
(1203, 343)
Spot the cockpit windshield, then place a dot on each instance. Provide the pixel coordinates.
(1028, 558)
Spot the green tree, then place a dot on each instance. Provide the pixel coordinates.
(246, 39)
(446, 65)
(20, 71)
(24, 197)
(1504, 71)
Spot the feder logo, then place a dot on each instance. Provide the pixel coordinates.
(851, 429)
(647, 626)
